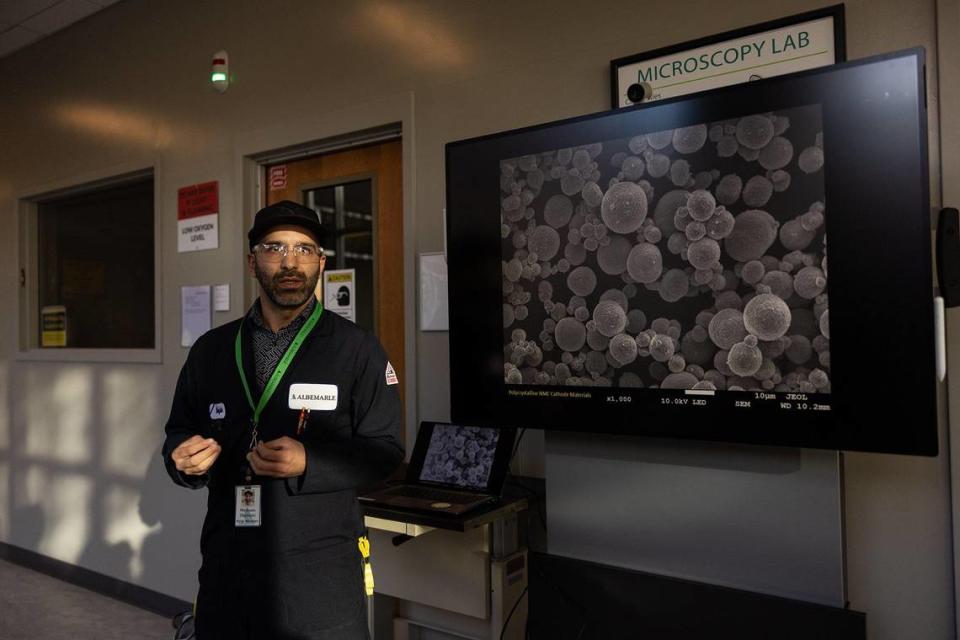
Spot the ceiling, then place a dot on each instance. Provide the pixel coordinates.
(23, 22)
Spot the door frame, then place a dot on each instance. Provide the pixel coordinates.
(385, 119)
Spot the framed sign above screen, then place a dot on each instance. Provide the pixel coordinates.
(795, 43)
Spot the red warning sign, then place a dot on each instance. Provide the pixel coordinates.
(198, 213)
(198, 200)
(278, 177)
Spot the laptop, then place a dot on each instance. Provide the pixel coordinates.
(453, 469)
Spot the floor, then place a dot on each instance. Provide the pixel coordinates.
(34, 606)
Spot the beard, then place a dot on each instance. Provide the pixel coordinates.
(285, 297)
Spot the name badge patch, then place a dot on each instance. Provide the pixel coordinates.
(248, 513)
(313, 397)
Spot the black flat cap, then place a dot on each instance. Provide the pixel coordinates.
(284, 212)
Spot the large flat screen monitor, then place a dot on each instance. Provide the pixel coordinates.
(750, 264)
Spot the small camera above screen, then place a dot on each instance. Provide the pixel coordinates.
(638, 92)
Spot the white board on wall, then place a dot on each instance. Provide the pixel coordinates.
(434, 314)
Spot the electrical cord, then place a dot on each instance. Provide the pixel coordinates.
(569, 599)
(536, 499)
(543, 522)
(516, 445)
(516, 604)
(516, 482)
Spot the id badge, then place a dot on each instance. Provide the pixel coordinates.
(248, 506)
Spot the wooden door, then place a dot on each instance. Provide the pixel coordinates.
(359, 196)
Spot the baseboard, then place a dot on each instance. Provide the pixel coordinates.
(138, 596)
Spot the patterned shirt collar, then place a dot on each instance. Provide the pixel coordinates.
(269, 347)
(256, 316)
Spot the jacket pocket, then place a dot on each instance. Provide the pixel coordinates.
(319, 591)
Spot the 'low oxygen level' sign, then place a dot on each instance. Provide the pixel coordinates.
(198, 213)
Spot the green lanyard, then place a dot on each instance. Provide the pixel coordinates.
(274, 380)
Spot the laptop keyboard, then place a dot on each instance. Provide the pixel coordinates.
(436, 495)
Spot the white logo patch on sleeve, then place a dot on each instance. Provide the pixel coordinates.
(217, 411)
(313, 397)
(391, 374)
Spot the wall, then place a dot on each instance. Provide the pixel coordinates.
(128, 88)
(948, 55)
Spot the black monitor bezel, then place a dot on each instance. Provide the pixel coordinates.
(861, 415)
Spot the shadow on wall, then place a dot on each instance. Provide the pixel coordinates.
(165, 559)
(110, 559)
(27, 523)
(170, 555)
(77, 487)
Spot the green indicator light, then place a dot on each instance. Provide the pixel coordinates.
(218, 77)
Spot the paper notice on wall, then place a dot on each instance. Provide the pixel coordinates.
(339, 292)
(198, 213)
(194, 313)
(221, 297)
(53, 326)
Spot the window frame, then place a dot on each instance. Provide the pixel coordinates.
(28, 316)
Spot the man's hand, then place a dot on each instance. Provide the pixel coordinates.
(280, 458)
(195, 456)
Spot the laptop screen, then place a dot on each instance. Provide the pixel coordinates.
(460, 456)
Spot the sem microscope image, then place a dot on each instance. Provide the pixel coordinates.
(693, 258)
(460, 455)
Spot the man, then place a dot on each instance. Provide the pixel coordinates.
(283, 415)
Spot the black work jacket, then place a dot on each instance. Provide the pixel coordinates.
(298, 575)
